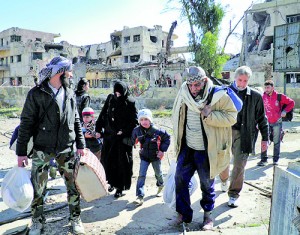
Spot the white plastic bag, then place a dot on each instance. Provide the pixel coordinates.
(17, 189)
(169, 195)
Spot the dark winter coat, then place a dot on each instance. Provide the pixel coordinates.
(57, 132)
(252, 114)
(117, 114)
(151, 140)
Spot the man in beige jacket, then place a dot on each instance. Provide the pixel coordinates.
(202, 119)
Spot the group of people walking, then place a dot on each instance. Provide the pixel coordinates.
(209, 123)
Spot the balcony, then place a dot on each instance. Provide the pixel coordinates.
(4, 67)
(4, 48)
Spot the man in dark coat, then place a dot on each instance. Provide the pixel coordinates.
(243, 132)
(116, 121)
(54, 135)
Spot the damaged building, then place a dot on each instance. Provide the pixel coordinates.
(258, 40)
(135, 53)
(23, 53)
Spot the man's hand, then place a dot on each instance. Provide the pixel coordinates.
(283, 113)
(119, 133)
(264, 146)
(206, 110)
(160, 155)
(80, 152)
(22, 161)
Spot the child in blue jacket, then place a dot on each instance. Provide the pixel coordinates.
(153, 143)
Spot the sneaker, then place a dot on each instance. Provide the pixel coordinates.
(77, 226)
(262, 163)
(36, 227)
(159, 191)
(139, 201)
(224, 186)
(232, 202)
(208, 224)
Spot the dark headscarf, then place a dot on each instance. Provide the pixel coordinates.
(80, 86)
(122, 88)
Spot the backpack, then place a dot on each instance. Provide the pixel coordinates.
(236, 100)
(289, 116)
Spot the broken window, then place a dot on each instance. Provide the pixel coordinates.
(19, 79)
(15, 38)
(153, 39)
(19, 58)
(1, 41)
(153, 57)
(53, 46)
(11, 59)
(162, 43)
(38, 39)
(134, 58)
(293, 18)
(125, 59)
(74, 60)
(266, 43)
(126, 39)
(37, 56)
(136, 38)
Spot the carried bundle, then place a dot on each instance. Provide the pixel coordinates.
(90, 178)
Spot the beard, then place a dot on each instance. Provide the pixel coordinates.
(64, 80)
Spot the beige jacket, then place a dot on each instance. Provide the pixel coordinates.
(217, 125)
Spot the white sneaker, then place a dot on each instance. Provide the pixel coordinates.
(224, 186)
(77, 226)
(232, 202)
(36, 227)
(139, 201)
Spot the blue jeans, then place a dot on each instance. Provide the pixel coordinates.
(189, 161)
(274, 128)
(142, 176)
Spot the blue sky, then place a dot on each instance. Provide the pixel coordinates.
(83, 22)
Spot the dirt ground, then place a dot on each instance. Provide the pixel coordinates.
(120, 216)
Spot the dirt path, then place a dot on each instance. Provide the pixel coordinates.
(120, 216)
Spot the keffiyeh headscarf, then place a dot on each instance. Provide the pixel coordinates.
(57, 65)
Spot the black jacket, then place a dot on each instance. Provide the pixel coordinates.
(252, 114)
(56, 132)
(83, 100)
(152, 140)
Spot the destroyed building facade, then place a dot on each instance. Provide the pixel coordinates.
(130, 52)
(258, 38)
(23, 53)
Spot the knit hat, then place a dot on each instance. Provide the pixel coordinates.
(88, 111)
(145, 113)
(193, 74)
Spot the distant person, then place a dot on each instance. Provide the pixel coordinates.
(92, 138)
(274, 114)
(83, 100)
(116, 121)
(202, 136)
(243, 132)
(54, 137)
(154, 142)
